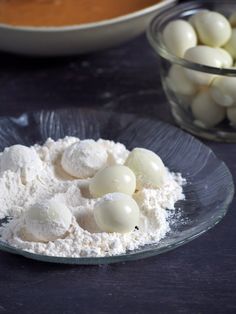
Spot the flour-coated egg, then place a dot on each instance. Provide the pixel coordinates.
(21, 158)
(223, 91)
(206, 110)
(116, 212)
(231, 44)
(48, 221)
(148, 168)
(179, 36)
(111, 179)
(83, 159)
(206, 56)
(213, 28)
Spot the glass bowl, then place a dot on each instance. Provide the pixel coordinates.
(173, 68)
(209, 189)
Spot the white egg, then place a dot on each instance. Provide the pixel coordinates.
(231, 44)
(231, 115)
(232, 19)
(48, 221)
(206, 56)
(179, 83)
(193, 17)
(148, 168)
(179, 36)
(116, 212)
(113, 179)
(227, 60)
(206, 111)
(223, 91)
(213, 28)
(83, 159)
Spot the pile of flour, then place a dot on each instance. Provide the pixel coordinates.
(84, 239)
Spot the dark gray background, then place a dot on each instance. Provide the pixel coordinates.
(196, 278)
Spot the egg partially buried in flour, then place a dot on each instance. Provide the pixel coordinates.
(116, 212)
(148, 167)
(116, 178)
(48, 221)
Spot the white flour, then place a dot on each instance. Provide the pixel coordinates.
(84, 238)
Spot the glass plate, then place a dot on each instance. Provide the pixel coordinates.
(209, 189)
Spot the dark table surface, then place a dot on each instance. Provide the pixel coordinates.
(199, 277)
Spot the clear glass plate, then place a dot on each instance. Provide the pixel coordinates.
(209, 189)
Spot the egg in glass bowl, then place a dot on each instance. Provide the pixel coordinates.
(196, 45)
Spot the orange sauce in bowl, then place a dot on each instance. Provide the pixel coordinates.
(66, 12)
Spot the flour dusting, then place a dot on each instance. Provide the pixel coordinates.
(19, 192)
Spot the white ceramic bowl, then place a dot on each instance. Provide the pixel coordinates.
(76, 39)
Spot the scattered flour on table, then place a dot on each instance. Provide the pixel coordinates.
(83, 239)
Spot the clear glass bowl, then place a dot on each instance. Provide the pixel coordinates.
(181, 102)
(209, 189)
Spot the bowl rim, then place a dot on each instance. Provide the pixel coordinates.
(146, 251)
(154, 36)
(85, 26)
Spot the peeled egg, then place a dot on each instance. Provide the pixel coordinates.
(116, 212)
(213, 28)
(231, 115)
(206, 56)
(179, 36)
(205, 110)
(232, 19)
(48, 221)
(227, 60)
(148, 168)
(192, 18)
(179, 83)
(223, 91)
(113, 179)
(83, 159)
(231, 44)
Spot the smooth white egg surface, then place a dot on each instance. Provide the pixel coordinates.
(116, 178)
(227, 59)
(116, 212)
(231, 44)
(179, 83)
(179, 36)
(84, 158)
(203, 55)
(148, 168)
(48, 221)
(206, 110)
(213, 28)
(193, 17)
(223, 91)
